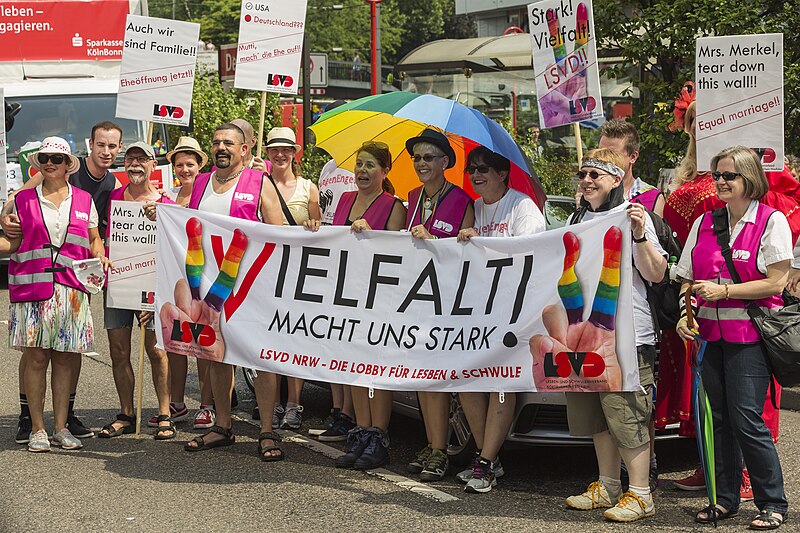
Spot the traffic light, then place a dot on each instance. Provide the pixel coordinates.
(12, 108)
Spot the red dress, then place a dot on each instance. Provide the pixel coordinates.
(674, 392)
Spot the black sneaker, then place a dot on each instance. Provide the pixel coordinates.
(436, 466)
(340, 429)
(357, 439)
(326, 424)
(256, 413)
(77, 428)
(376, 453)
(24, 428)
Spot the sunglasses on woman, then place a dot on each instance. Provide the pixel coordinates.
(591, 173)
(56, 159)
(427, 158)
(481, 169)
(727, 176)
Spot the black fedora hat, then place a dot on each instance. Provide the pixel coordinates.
(437, 139)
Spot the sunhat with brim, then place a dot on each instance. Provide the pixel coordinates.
(188, 144)
(436, 138)
(55, 145)
(281, 137)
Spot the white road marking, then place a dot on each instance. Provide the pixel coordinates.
(4, 322)
(332, 453)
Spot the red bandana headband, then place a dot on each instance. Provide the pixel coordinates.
(685, 97)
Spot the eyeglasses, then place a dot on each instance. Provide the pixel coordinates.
(142, 159)
(481, 169)
(591, 173)
(427, 158)
(56, 159)
(727, 176)
(216, 142)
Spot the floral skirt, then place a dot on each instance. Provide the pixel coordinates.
(62, 323)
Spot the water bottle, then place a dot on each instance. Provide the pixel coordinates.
(71, 142)
(671, 268)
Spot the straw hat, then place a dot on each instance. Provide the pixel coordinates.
(188, 144)
(281, 137)
(55, 145)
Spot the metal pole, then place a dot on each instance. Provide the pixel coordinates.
(306, 90)
(375, 42)
(378, 56)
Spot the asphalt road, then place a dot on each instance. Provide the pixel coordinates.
(126, 485)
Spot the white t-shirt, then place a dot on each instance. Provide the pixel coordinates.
(216, 203)
(513, 215)
(333, 182)
(776, 243)
(642, 317)
(57, 218)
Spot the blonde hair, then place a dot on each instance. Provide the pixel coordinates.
(748, 165)
(687, 169)
(607, 155)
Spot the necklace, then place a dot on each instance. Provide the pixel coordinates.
(429, 199)
(491, 222)
(229, 178)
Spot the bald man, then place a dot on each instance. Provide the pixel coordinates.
(252, 161)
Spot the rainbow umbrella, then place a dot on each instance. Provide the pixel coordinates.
(395, 117)
(704, 424)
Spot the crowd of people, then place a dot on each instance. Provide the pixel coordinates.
(61, 214)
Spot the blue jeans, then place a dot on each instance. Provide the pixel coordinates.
(736, 377)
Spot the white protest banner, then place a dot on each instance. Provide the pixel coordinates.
(157, 73)
(333, 181)
(739, 81)
(4, 181)
(385, 310)
(132, 250)
(565, 61)
(270, 45)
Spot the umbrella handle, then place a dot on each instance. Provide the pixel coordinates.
(689, 310)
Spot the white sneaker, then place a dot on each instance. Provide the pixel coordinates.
(465, 475)
(39, 442)
(631, 507)
(596, 496)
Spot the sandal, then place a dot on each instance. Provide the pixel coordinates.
(227, 440)
(275, 438)
(108, 431)
(768, 516)
(714, 514)
(170, 429)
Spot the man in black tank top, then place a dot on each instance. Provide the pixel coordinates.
(94, 177)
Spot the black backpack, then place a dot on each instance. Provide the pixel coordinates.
(663, 296)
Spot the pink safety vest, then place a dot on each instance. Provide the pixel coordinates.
(377, 214)
(728, 319)
(447, 217)
(647, 198)
(246, 199)
(28, 277)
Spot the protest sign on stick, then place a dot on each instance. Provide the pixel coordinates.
(132, 250)
(158, 69)
(739, 81)
(565, 62)
(3, 182)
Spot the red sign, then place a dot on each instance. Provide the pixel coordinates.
(227, 62)
(63, 30)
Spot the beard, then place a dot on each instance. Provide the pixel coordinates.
(138, 175)
(222, 160)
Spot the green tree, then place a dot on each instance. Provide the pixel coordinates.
(658, 37)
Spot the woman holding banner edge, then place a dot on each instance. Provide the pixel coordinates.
(368, 208)
(499, 212)
(437, 209)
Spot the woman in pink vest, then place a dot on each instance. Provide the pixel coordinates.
(736, 371)
(436, 209)
(50, 319)
(369, 208)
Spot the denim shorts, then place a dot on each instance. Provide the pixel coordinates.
(114, 318)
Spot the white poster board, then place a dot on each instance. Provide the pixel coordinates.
(739, 81)
(158, 69)
(565, 62)
(132, 250)
(3, 146)
(270, 45)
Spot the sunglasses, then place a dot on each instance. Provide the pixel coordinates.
(56, 159)
(591, 173)
(427, 158)
(481, 169)
(727, 176)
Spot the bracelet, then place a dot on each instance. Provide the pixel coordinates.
(727, 292)
(643, 239)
